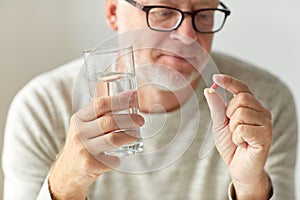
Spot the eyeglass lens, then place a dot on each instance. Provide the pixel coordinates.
(168, 19)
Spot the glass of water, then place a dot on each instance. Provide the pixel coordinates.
(111, 72)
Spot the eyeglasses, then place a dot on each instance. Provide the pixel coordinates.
(163, 18)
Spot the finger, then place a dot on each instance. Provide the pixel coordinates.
(246, 116)
(109, 123)
(217, 108)
(258, 137)
(99, 106)
(231, 84)
(245, 100)
(111, 141)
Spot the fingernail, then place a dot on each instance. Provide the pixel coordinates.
(218, 78)
(206, 91)
(211, 90)
(140, 121)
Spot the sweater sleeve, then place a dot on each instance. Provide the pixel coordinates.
(282, 157)
(34, 134)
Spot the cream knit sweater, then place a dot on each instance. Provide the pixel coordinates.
(39, 116)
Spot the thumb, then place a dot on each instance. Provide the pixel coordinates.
(217, 108)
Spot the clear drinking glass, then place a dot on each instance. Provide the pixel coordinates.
(110, 72)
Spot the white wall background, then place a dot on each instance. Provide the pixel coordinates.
(36, 36)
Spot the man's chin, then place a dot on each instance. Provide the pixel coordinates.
(155, 98)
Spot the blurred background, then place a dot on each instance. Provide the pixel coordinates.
(36, 36)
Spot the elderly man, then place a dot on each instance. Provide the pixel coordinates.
(255, 131)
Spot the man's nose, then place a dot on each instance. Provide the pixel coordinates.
(185, 32)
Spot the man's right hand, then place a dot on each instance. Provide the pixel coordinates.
(91, 133)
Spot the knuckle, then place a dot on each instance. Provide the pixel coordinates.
(242, 98)
(100, 103)
(239, 113)
(107, 121)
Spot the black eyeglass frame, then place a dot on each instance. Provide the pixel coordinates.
(146, 9)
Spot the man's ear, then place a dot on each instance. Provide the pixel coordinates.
(111, 13)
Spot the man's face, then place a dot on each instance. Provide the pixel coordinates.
(127, 18)
(130, 18)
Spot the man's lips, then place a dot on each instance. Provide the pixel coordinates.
(176, 57)
(178, 61)
(183, 65)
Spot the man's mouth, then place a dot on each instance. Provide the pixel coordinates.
(183, 64)
(176, 57)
